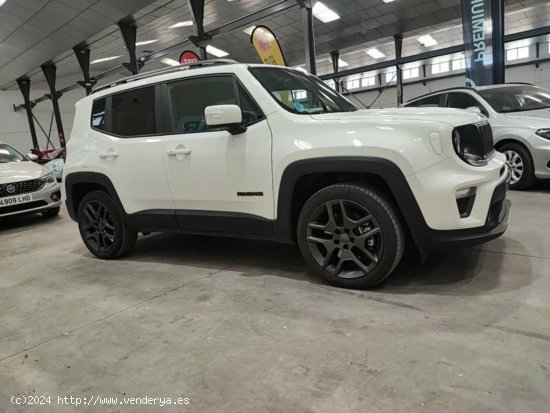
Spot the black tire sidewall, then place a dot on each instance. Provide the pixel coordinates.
(528, 177)
(119, 225)
(392, 234)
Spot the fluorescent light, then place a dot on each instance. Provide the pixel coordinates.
(2, 2)
(323, 13)
(387, 1)
(215, 51)
(249, 30)
(427, 40)
(182, 24)
(169, 62)
(104, 59)
(144, 42)
(375, 53)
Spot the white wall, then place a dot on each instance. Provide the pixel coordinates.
(527, 73)
(14, 127)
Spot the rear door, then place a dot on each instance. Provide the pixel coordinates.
(126, 134)
(211, 171)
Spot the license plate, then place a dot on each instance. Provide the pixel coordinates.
(14, 200)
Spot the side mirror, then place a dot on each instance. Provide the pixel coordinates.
(225, 117)
(32, 157)
(475, 109)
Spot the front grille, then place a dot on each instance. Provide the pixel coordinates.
(22, 207)
(23, 187)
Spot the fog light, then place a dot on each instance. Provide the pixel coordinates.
(55, 196)
(465, 201)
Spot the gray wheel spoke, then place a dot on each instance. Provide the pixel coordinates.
(319, 240)
(370, 234)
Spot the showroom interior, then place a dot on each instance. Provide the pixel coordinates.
(312, 258)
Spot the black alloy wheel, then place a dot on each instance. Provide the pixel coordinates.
(350, 236)
(101, 227)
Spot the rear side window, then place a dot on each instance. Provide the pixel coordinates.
(189, 98)
(98, 114)
(133, 112)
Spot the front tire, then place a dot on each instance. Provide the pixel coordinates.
(350, 236)
(102, 229)
(521, 166)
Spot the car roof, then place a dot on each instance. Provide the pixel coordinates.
(471, 89)
(197, 67)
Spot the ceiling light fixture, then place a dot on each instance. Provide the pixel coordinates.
(215, 51)
(2, 2)
(144, 42)
(375, 53)
(323, 13)
(169, 62)
(427, 41)
(388, 1)
(104, 59)
(181, 24)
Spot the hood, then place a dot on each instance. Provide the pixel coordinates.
(453, 117)
(540, 115)
(20, 171)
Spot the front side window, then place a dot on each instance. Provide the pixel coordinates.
(301, 93)
(464, 101)
(8, 154)
(190, 97)
(518, 98)
(133, 113)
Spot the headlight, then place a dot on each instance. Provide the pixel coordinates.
(474, 143)
(48, 178)
(543, 133)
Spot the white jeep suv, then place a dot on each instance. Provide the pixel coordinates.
(519, 115)
(272, 153)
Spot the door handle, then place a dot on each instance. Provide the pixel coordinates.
(179, 151)
(108, 154)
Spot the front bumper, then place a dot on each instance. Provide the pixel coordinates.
(495, 225)
(41, 201)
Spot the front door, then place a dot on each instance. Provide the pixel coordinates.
(219, 182)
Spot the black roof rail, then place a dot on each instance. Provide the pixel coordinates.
(163, 71)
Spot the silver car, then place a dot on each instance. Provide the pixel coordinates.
(26, 187)
(519, 115)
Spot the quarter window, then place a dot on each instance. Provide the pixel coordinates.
(98, 114)
(190, 97)
(133, 112)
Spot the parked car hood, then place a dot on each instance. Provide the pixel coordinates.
(453, 117)
(20, 171)
(537, 115)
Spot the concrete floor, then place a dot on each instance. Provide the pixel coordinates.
(239, 326)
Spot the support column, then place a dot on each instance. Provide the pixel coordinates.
(499, 62)
(309, 35)
(83, 56)
(200, 39)
(399, 73)
(24, 84)
(50, 71)
(128, 29)
(335, 56)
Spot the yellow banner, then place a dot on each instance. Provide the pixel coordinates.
(267, 46)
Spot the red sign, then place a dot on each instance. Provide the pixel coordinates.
(189, 57)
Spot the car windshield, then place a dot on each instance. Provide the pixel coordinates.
(301, 93)
(516, 98)
(8, 154)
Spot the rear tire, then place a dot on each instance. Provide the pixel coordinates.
(521, 166)
(350, 236)
(52, 212)
(102, 229)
